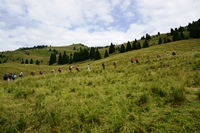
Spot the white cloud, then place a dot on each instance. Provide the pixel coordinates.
(91, 22)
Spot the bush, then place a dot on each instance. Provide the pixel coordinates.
(143, 99)
(178, 94)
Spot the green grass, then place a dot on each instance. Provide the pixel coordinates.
(160, 95)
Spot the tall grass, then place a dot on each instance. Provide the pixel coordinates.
(161, 95)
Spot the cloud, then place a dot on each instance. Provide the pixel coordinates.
(91, 22)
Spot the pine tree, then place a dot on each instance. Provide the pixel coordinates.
(134, 46)
(92, 52)
(26, 61)
(148, 37)
(111, 49)
(160, 41)
(76, 57)
(176, 36)
(171, 32)
(65, 58)
(60, 59)
(97, 55)
(164, 40)
(145, 44)
(51, 59)
(182, 36)
(70, 59)
(31, 61)
(128, 47)
(106, 54)
(86, 54)
(37, 62)
(22, 61)
(138, 45)
(122, 49)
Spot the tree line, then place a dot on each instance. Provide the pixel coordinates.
(78, 56)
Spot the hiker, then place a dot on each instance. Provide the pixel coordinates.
(136, 60)
(33, 73)
(21, 74)
(41, 72)
(115, 64)
(53, 71)
(158, 56)
(9, 76)
(148, 58)
(59, 69)
(70, 68)
(14, 76)
(174, 53)
(132, 60)
(88, 67)
(103, 65)
(5, 77)
(77, 68)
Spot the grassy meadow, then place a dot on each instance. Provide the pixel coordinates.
(157, 95)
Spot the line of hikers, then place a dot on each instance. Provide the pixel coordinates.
(12, 76)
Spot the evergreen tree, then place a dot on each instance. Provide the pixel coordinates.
(60, 59)
(180, 29)
(134, 47)
(86, 54)
(171, 32)
(37, 62)
(122, 49)
(111, 49)
(195, 29)
(51, 59)
(92, 52)
(182, 36)
(145, 44)
(65, 58)
(31, 61)
(176, 36)
(26, 61)
(22, 61)
(70, 59)
(142, 38)
(76, 57)
(164, 40)
(138, 45)
(158, 33)
(97, 55)
(128, 47)
(160, 41)
(148, 37)
(106, 54)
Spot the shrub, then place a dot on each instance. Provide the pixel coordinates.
(143, 99)
(178, 94)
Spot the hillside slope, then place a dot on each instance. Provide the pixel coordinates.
(156, 95)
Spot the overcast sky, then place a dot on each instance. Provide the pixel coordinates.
(28, 23)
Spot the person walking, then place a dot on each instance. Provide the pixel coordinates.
(115, 64)
(88, 67)
(103, 65)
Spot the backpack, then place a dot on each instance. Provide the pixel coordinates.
(14, 76)
(21, 74)
(5, 77)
